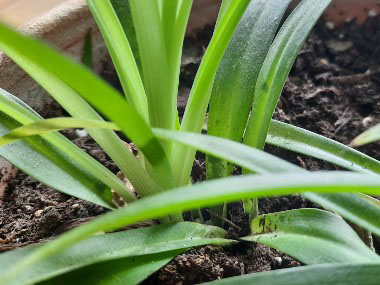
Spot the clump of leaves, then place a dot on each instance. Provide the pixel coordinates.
(240, 78)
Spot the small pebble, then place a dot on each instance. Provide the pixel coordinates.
(81, 133)
(366, 121)
(75, 206)
(278, 259)
(38, 213)
(372, 13)
(27, 207)
(330, 25)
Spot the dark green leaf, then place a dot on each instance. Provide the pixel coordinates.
(277, 65)
(234, 84)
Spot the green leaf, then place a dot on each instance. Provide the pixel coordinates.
(302, 141)
(121, 53)
(87, 56)
(277, 65)
(234, 84)
(182, 157)
(51, 151)
(44, 162)
(50, 125)
(358, 208)
(107, 247)
(200, 195)
(369, 136)
(327, 274)
(130, 270)
(311, 236)
(69, 81)
(123, 12)
(155, 64)
(361, 209)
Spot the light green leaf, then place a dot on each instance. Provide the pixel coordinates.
(197, 196)
(69, 81)
(49, 165)
(311, 236)
(302, 141)
(107, 247)
(50, 125)
(155, 64)
(371, 135)
(277, 65)
(234, 84)
(130, 270)
(121, 53)
(327, 274)
(182, 157)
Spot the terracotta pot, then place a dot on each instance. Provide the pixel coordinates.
(65, 27)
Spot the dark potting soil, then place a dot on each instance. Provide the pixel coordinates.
(333, 90)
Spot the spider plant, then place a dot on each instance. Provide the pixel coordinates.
(240, 78)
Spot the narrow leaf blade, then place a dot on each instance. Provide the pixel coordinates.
(234, 84)
(277, 65)
(302, 141)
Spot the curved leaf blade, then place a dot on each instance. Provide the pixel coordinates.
(182, 158)
(234, 84)
(369, 136)
(44, 162)
(200, 195)
(302, 141)
(51, 125)
(311, 236)
(108, 247)
(23, 114)
(277, 65)
(328, 274)
(121, 53)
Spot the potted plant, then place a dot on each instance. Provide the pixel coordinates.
(240, 78)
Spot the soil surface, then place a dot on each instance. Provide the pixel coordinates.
(333, 90)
